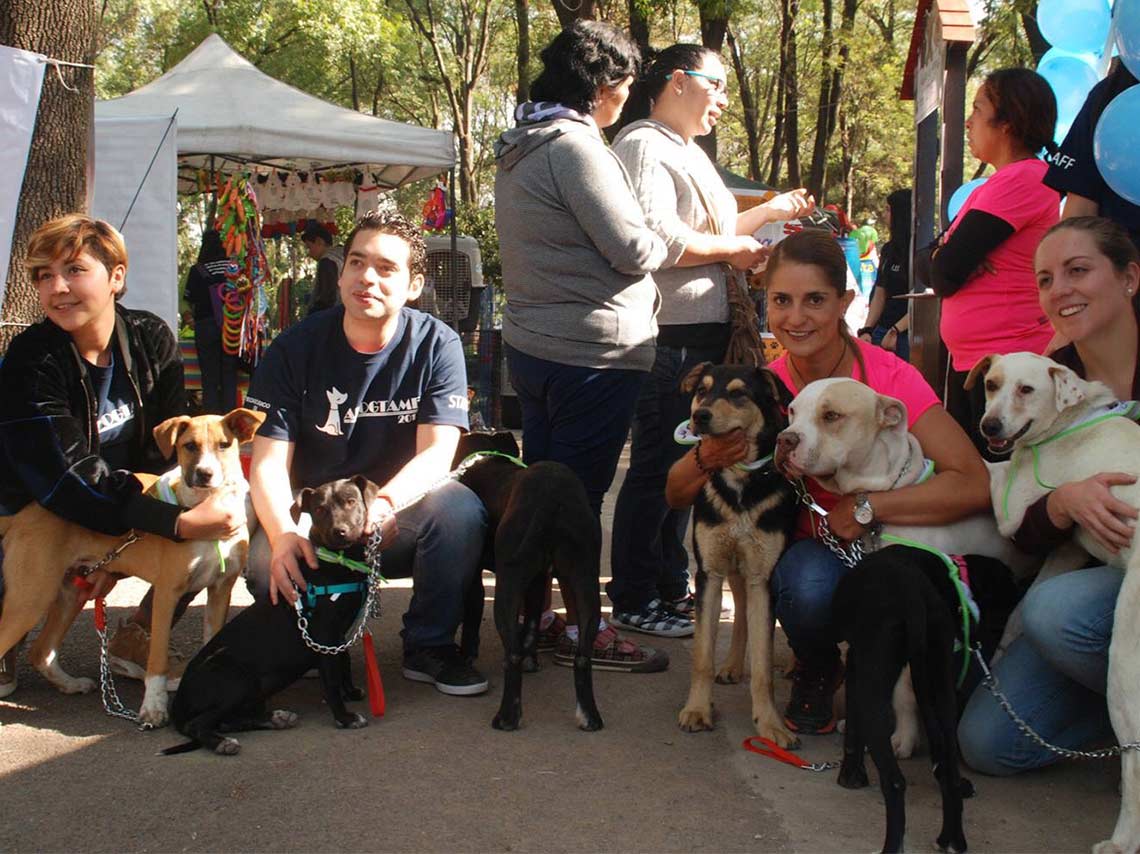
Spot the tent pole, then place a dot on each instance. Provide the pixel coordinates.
(212, 204)
(454, 248)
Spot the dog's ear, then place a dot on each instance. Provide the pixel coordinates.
(167, 433)
(243, 423)
(368, 490)
(773, 386)
(980, 369)
(1067, 388)
(690, 381)
(301, 504)
(890, 413)
(505, 442)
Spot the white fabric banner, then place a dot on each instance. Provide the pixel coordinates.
(124, 149)
(21, 80)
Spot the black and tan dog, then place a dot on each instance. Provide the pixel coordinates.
(261, 651)
(540, 517)
(901, 606)
(742, 521)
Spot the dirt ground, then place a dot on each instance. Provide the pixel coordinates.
(432, 775)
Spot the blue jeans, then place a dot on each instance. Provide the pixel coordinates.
(576, 416)
(902, 342)
(647, 556)
(802, 586)
(1054, 675)
(439, 544)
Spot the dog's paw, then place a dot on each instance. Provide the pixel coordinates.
(1106, 847)
(776, 732)
(729, 675)
(228, 747)
(903, 743)
(505, 723)
(966, 788)
(695, 718)
(530, 663)
(588, 721)
(282, 719)
(951, 844)
(853, 775)
(153, 715)
(352, 721)
(76, 685)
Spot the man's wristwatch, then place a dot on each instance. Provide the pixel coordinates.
(864, 512)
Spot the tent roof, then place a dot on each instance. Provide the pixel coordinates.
(229, 109)
(739, 183)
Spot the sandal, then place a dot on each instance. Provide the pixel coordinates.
(613, 652)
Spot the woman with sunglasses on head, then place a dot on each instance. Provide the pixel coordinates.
(679, 97)
(984, 268)
(80, 392)
(577, 255)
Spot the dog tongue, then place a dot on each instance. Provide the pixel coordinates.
(999, 446)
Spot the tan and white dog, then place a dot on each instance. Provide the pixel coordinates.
(851, 439)
(1061, 429)
(40, 549)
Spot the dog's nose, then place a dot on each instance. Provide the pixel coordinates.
(340, 531)
(787, 440)
(203, 476)
(991, 427)
(702, 417)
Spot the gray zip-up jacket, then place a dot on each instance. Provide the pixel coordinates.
(576, 249)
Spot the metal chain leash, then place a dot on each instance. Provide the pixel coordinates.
(850, 554)
(112, 705)
(991, 683)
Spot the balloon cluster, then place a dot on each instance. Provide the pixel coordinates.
(1117, 136)
(1078, 32)
(243, 296)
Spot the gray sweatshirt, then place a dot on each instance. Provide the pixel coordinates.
(576, 249)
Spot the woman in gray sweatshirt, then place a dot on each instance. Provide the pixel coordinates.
(577, 252)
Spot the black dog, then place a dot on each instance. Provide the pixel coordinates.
(261, 651)
(899, 606)
(540, 517)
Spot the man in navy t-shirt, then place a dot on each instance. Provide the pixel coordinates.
(375, 388)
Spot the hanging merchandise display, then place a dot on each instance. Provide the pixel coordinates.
(244, 301)
(437, 216)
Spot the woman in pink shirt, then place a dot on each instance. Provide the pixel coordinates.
(984, 268)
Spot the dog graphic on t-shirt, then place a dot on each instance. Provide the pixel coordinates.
(332, 423)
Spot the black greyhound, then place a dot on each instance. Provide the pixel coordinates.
(540, 518)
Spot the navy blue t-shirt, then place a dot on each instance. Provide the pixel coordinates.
(1073, 168)
(115, 412)
(356, 413)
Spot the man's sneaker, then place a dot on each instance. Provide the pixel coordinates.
(548, 638)
(811, 710)
(656, 618)
(613, 652)
(686, 606)
(128, 651)
(446, 669)
(8, 672)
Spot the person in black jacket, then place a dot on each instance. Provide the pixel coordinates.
(80, 393)
(219, 368)
(887, 321)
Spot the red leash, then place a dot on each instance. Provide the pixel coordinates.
(372, 671)
(765, 747)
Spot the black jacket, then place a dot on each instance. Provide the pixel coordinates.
(49, 443)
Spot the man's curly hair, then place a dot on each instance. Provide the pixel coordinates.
(398, 226)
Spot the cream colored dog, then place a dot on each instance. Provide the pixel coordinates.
(1052, 422)
(851, 439)
(40, 549)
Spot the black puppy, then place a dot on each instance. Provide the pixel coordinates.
(261, 651)
(900, 606)
(540, 517)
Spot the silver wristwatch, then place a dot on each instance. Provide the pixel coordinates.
(864, 512)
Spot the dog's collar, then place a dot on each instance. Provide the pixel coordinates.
(967, 606)
(329, 556)
(684, 435)
(315, 591)
(473, 458)
(1129, 409)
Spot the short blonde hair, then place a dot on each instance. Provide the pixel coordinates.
(68, 235)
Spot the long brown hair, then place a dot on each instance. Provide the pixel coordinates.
(818, 248)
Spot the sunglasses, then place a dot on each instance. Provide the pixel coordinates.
(720, 85)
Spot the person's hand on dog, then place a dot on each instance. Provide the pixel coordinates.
(1090, 504)
(381, 513)
(285, 568)
(719, 452)
(219, 517)
(842, 522)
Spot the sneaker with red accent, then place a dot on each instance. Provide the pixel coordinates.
(811, 710)
(613, 652)
(548, 638)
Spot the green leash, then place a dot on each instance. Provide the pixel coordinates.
(329, 556)
(471, 458)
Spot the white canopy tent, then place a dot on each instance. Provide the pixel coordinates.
(230, 111)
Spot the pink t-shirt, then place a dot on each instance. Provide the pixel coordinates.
(998, 312)
(887, 374)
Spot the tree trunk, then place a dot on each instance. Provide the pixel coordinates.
(56, 178)
(522, 20)
(824, 108)
(569, 11)
(786, 25)
(792, 100)
(639, 25)
(747, 107)
(847, 160)
(713, 30)
(829, 110)
(1037, 42)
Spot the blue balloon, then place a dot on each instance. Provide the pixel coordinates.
(960, 196)
(1116, 141)
(1071, 77)
(1080, 26)
(1127, 14)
